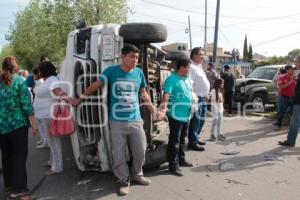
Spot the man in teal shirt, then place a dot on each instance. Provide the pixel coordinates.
(126, 84)
(178, 97)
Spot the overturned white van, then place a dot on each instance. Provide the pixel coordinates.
(89, 51)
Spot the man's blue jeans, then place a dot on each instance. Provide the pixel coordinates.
(283, 104)
(197, 122)
(294, 125)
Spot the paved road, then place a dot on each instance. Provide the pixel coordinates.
(252, 178)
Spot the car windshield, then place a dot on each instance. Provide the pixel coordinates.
(263, 73)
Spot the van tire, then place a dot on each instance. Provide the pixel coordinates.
(143, 32)
(156, 157)
(176, 55)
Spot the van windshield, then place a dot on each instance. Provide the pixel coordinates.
(263, 73)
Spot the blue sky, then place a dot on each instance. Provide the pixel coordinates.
(273, 27)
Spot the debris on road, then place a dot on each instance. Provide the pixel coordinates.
(225, 165)
(230, 152)
(271, 157)
(235, 182)
(84, 182)
(96, 190)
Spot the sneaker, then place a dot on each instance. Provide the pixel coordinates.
(141, 180)
(124, 187)
(42, 146)
(221, 137)
(39, 142)
(213, 138)
(50, 172)
(286, 143)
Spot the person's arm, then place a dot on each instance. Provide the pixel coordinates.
(285, 85)
(34, 126)
(26, 106)
(163, 107)
(146, 100)
(91, 89)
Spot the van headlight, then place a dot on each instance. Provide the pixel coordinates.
(242, 89)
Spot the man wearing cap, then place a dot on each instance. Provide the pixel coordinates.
(295, 120)
(286, 87)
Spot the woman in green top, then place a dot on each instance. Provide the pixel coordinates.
(16, 114)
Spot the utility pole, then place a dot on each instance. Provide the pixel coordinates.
(216, 32)
(205, 30)
(190, 32)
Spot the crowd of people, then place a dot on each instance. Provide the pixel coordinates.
(188, 93)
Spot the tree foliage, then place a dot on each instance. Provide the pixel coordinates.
(250, 53)
(6, 51)
(280, 59)
(42, 27)
(292, 54)
(245, 50)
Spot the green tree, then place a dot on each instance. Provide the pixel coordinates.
(250, 53)
(102, 11)
(42, 27)
(6, 51)
(292, 54)
(245, 51)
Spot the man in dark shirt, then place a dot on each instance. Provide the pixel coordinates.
(295, 120)
(227, 76)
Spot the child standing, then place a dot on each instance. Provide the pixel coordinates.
(217, 110)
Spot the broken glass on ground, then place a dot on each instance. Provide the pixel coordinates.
(225, 165)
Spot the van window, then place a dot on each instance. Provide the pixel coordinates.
(82, 36)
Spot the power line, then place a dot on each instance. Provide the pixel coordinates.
(226, 38)
(262, 20)
(276, 39)
(228, 16)
(172, 20)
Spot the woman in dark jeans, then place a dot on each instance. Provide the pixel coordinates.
(16, 115)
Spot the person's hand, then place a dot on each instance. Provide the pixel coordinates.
(35, 130)
(160, 116)
(75, 102)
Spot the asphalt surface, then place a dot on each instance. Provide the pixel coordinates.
(262, 170)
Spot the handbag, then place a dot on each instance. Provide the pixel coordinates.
(63, 123)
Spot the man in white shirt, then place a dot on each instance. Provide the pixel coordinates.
(201, 88)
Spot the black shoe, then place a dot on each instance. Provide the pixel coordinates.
(196, 147)
(185, 164)
(176, 172)
(286, 143)
(201, 143)
(276, 124)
